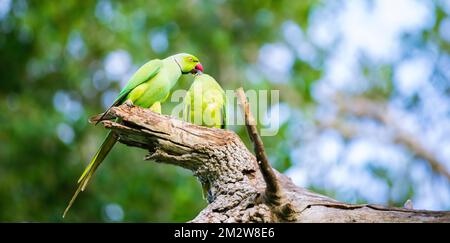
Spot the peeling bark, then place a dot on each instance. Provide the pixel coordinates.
(219, 158)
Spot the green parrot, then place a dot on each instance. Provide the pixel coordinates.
(205, 104)
(148, 87)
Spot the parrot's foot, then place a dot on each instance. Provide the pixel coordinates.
(129, 103)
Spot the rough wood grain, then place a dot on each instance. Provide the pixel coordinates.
(220, 158)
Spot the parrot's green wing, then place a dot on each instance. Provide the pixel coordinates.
(144, 73)
(221, 102)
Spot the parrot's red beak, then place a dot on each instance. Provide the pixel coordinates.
(197, 68)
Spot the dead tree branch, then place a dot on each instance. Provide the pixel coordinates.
(237, 185)
(273, 194)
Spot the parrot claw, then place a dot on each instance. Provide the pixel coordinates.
(129, 103)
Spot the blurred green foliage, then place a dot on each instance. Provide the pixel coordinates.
(38, 59)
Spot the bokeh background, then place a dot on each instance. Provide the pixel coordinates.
(364, 99)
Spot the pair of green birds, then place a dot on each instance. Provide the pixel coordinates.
(205, 102)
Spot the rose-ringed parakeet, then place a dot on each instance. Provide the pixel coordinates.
(205, 104)
(148, 87)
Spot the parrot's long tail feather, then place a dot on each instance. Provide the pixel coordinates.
(72, 200)
(104, 149)
(98, 158)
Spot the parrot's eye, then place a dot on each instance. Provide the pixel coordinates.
(190, 59)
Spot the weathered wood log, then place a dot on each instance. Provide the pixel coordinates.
(219, 158)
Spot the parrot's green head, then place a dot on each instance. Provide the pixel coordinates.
(188, 63)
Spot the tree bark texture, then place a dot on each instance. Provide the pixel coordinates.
(220, 159)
